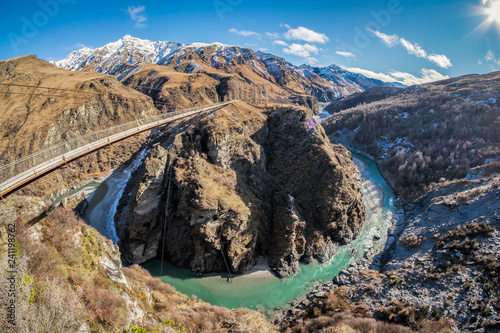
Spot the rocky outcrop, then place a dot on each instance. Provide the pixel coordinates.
(216, 192)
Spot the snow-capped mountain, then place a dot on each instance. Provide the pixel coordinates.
(253, 72)
(340, 75)
(113, 57)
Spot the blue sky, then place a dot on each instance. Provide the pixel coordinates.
(407, 40)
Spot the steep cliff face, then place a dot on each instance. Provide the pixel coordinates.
(236, 184)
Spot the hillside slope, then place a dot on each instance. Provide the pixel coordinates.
(424, 135)
(480, 89)
(33, 119)
(438, 145)
(440, 269)
(69, 278)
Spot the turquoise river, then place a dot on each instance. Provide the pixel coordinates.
(259, 289)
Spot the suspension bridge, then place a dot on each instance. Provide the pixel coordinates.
(22, 171)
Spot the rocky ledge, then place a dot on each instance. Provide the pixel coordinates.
(217, 191)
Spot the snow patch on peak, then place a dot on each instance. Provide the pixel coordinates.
(198, 45)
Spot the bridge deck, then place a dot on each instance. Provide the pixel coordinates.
(21, 178)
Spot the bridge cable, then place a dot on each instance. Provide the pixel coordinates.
(165, 218)
(71, 90)
(227, 266)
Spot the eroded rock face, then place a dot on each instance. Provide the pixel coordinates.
(236, 184)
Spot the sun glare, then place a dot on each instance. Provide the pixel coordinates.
(493, 11)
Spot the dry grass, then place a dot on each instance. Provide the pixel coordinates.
(34, 122)
(473, 229)
(343, 322)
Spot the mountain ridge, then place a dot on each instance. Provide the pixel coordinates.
(123, 57)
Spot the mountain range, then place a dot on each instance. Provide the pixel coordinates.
(215, 71)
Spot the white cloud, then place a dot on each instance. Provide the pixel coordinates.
(138, 15)
(273, 35)
(306, 35)
(413, 48)
(312, 61)
(389, 40)
(441, 60)
(346, 54)
(78, 46)
(490, 58)
(427, 75)
(263, 49)
(243, 32)
(280, 42)
(303, 51)
(479, 62)
(373, 75)
(285, 25)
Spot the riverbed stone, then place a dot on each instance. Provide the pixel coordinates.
(322, 294)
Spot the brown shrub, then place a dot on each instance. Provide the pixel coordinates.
(440, 326)
(335, 301)
(404, 313)
(315, 325)
(62, 225)
(461, 232)
(369, 289)
(137, 272)
(105, 305)
(412, 242)
(42, 305)
(339, 322)
(43, 260)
